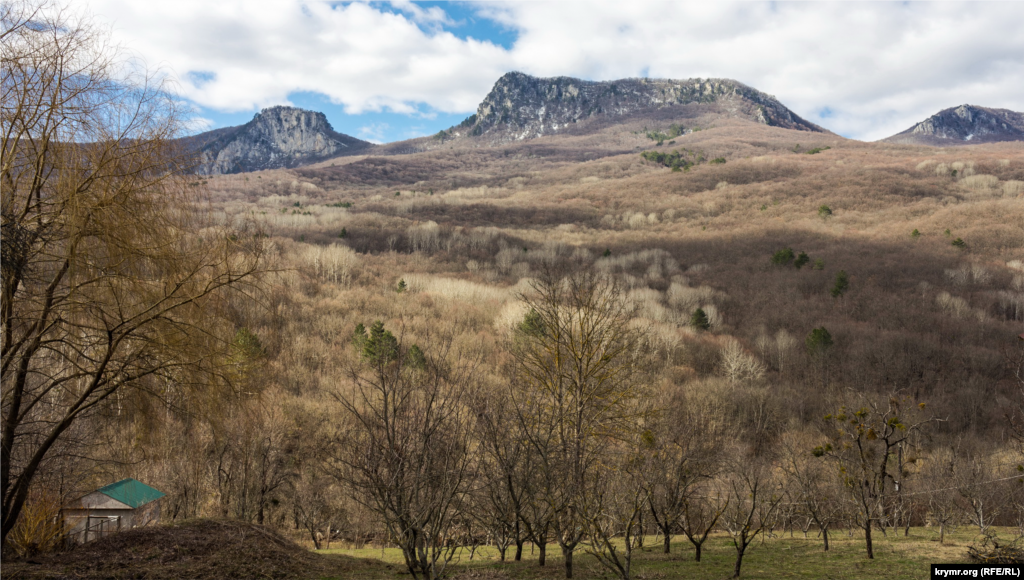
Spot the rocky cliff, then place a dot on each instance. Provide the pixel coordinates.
(964, 125)
(276, 137)
(521, 106)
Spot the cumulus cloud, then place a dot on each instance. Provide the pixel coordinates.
(866, 70)
(240, 55)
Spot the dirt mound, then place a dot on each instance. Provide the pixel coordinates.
(200, 549)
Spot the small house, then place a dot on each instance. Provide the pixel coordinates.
(127, 504)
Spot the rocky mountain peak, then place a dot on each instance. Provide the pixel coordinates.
(521, 106)
(964, 125)
(276, 137)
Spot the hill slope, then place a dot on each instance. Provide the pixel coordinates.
(963, 125)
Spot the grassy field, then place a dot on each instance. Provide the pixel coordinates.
(781, 556)
(778, 557)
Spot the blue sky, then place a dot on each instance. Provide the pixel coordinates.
(387, 71)
(464, 22)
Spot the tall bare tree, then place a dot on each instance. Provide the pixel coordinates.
(112, 278)
(684, 450)
(582, 371)
(405, 448)
(755, 495)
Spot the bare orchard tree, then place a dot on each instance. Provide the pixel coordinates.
(755, 496)
(614, 509)
(702, 508)
(865, 443)
(405, 444)
(816, 493)
(505, 464)
(581, 370)
(112, 277)
(945, 508)
(684, 449)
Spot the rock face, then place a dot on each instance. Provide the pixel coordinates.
(521, 106)
(276, 137)
(964, 125)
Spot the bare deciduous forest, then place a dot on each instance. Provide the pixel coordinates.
(554, 347)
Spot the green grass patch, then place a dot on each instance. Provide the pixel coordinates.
(781, 556)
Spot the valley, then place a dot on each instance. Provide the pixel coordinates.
(590, 314)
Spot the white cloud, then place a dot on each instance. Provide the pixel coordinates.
(237, 55)
(879, 67)
(374, 132)
(433, 16)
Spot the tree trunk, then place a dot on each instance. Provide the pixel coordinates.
(739, 560)
(568, 562)
(696, 552)
(668, 543)
(824, 535)
(519, 550)
(942, 533)
(867, 540)
(542, 557)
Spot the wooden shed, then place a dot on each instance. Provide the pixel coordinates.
(127, 504)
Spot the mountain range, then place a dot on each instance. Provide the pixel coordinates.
(521, 107)
(964, 125)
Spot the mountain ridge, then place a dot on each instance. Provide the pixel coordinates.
(963, 125)
(521, 106)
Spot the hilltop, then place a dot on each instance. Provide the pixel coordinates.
(276, 137)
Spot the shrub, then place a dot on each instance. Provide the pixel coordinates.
(842, 283)
(824, 212)
(959, 243)
(699, 320)
(381, 346)
(818, 341)
(359, 337)
(915, 234)
(402, 287)
(717, 161)
(819, 264)
(801, 260)
(532, 324)
(783, 257)
(415, 358)
(343, 234)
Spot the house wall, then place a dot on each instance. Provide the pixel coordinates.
(86, 524)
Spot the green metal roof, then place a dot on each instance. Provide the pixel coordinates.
(131, 492)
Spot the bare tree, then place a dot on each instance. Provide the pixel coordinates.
(581, 370)
(702, 510)
(817, 494)
(865, 444)
(405, 444)
(944, 506)
(505, 465)
(754, 500)
(112, 279)
(684, 450)
(614, 509)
